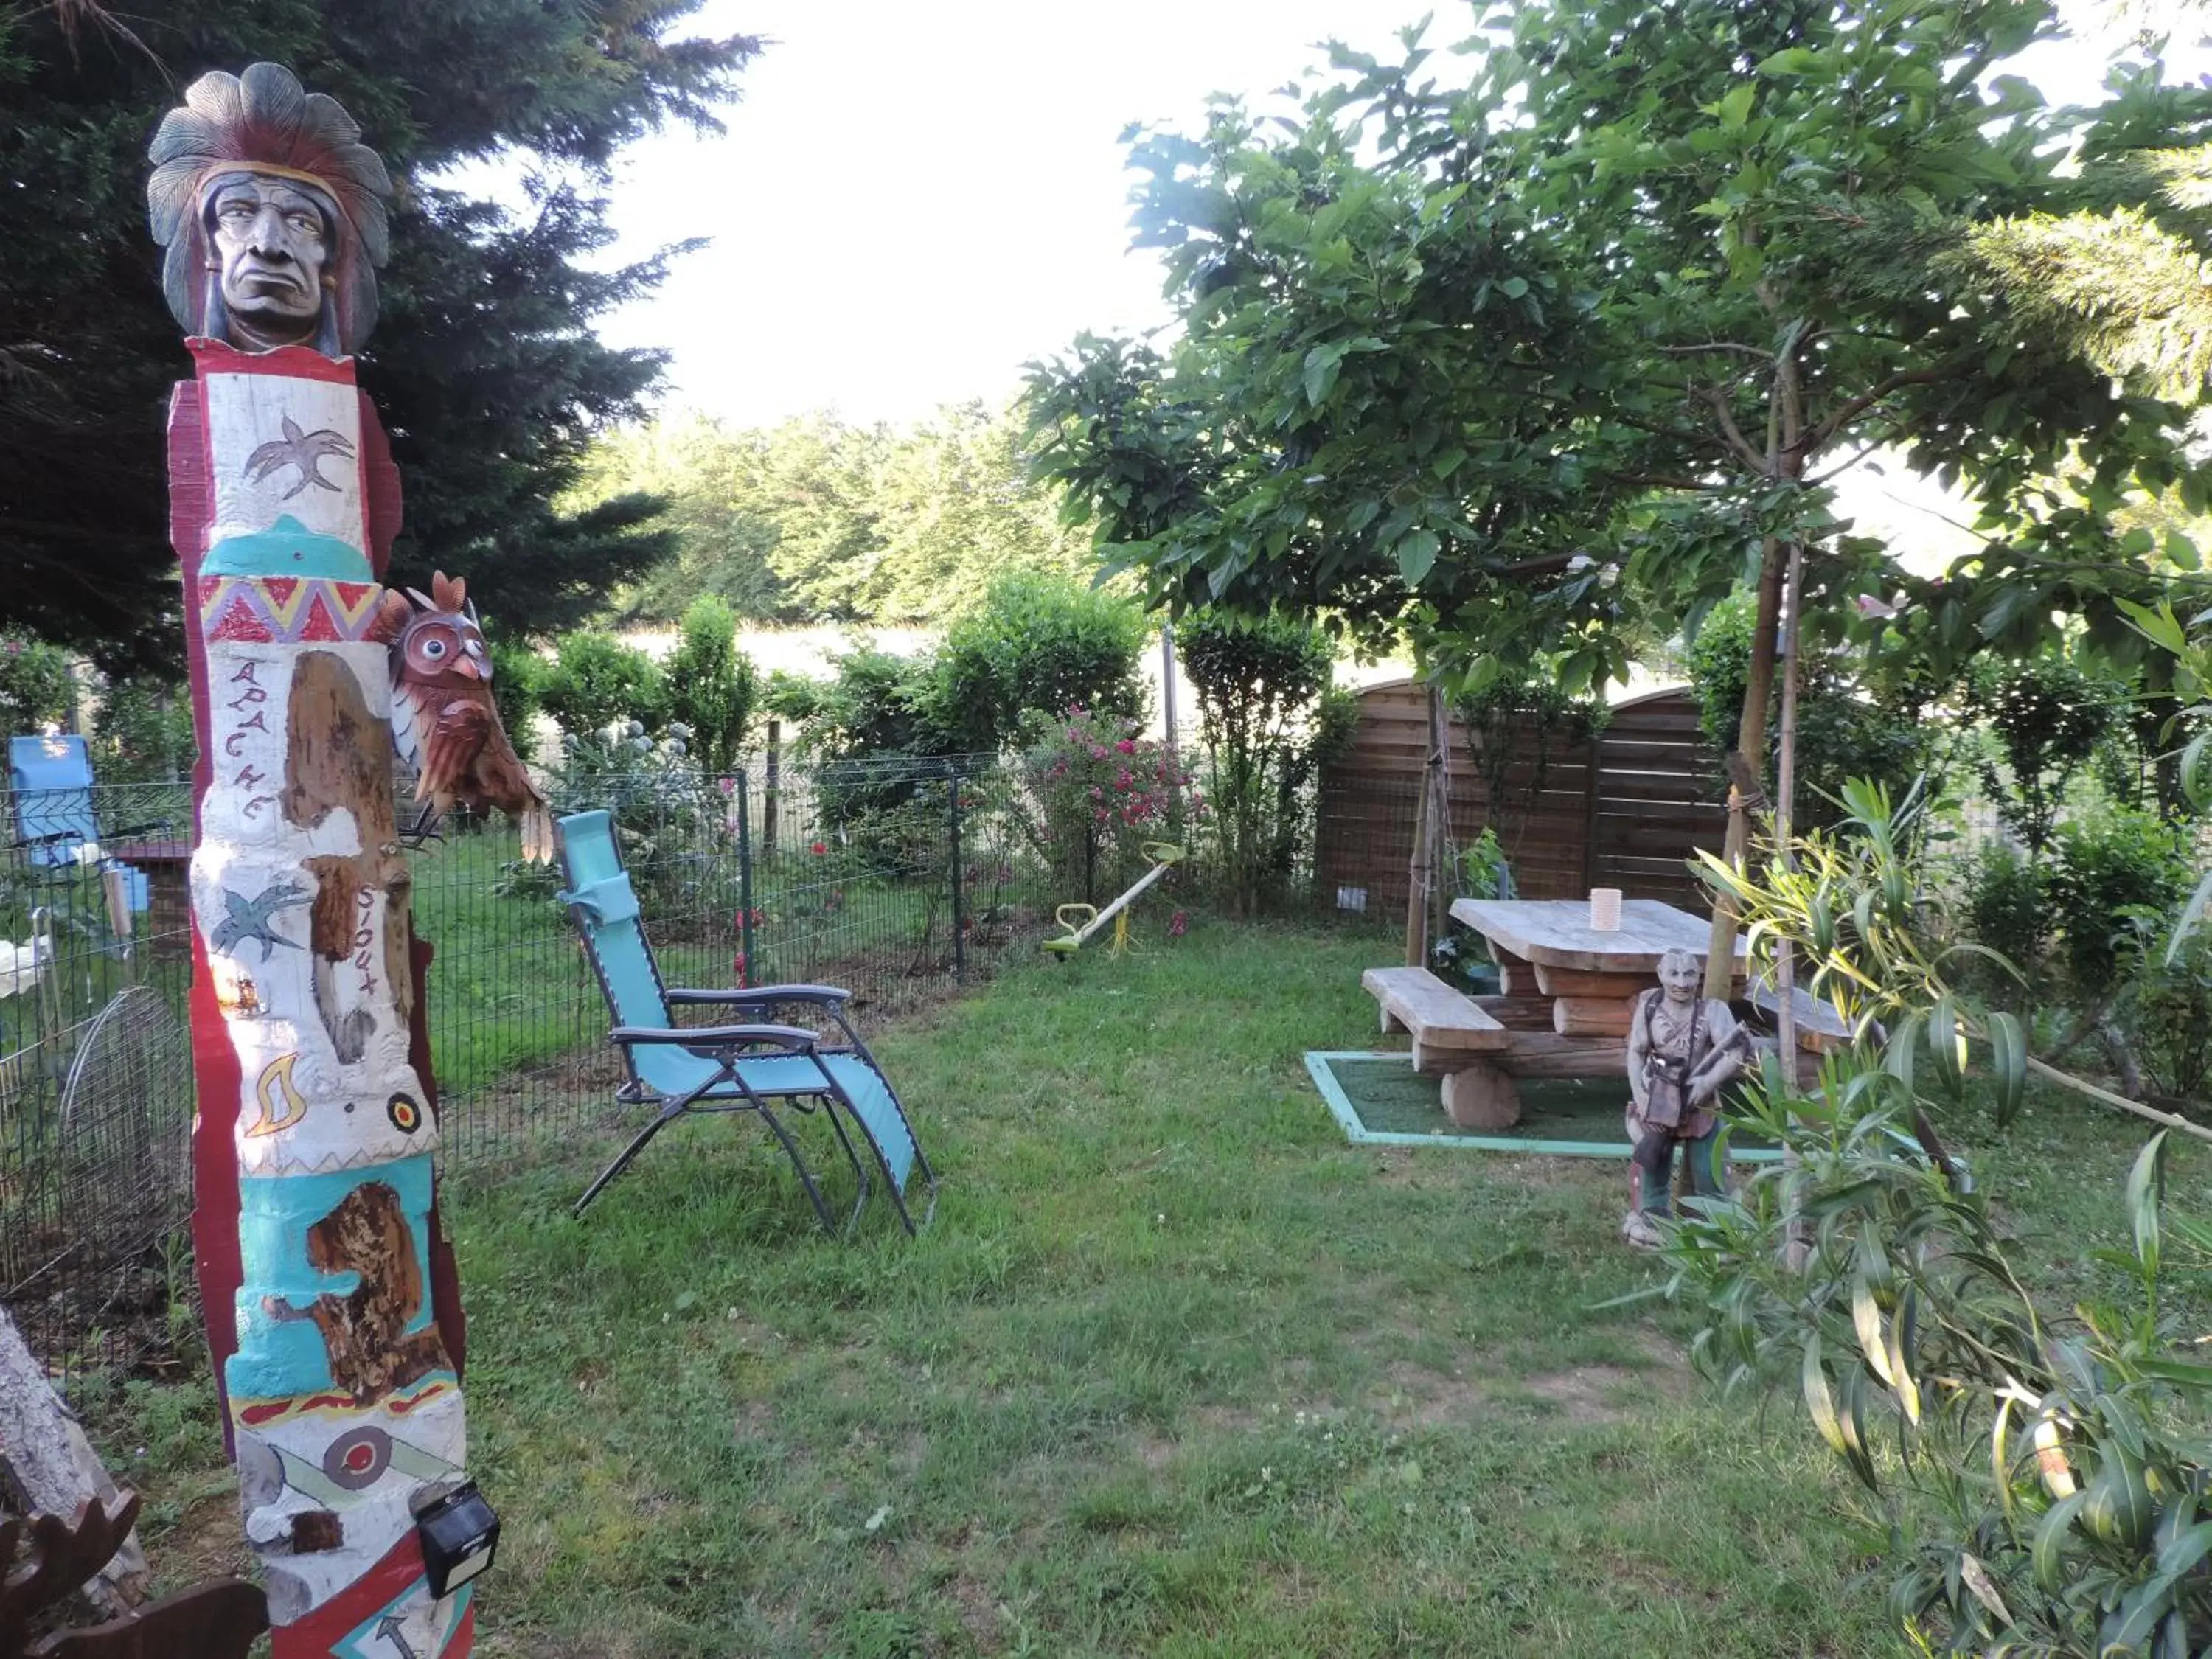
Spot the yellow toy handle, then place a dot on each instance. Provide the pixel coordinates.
(1075, 917)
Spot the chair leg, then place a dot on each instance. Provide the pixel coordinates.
(668, 1114)
(798, 1163)
(865, 1181)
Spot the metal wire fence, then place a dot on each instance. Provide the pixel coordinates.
(95, 1074)
(899, 878)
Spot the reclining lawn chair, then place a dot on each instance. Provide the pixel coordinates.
(57, 825)
(729, 1068)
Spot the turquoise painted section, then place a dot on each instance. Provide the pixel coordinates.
(287, 548)
(278, 1359)
(1340, 1107)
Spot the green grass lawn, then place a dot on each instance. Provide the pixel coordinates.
(1176, 1372)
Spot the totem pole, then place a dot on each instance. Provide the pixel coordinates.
(331, 1307)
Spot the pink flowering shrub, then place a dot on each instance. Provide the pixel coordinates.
(1101, 793)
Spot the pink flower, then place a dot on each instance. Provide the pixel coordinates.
(819, 848)
(728, 785)
(737, 966)
(1098, 752)
(1126, 747)
(1178, 924)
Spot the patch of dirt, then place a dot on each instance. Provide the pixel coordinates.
(1420, 1399)
(1155, 1451)
(1589, 1395)
(205, 1543)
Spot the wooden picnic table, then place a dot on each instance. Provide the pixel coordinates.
(1557, 933)
(1546, 948)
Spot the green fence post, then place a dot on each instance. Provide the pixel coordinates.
(752, 973)
(959, 943)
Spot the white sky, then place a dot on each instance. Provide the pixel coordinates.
(911, 201)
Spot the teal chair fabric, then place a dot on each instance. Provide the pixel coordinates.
(724, 1068)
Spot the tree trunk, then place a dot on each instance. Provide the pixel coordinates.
(48, 1468)
(1750, 752)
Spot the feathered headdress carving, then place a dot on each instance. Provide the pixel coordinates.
(263, 122)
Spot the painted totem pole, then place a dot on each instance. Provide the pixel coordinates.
(331, 1307)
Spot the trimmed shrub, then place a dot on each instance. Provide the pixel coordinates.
(1258, 682)
(2110, 864)
(2049, 719)
(596, 681)
(713, 687)
(517, 687)
(1040, 643)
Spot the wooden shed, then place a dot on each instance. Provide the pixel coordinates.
(1624, 810)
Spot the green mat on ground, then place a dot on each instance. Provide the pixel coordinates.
(1379, 1098)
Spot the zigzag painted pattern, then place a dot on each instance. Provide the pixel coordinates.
(289, 610)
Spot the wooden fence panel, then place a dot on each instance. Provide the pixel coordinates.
(1625, 810)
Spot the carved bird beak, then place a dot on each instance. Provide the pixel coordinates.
(466, 666)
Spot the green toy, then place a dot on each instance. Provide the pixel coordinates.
(1082, 920)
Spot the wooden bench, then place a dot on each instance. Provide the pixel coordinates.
(1453, 1038)
(1821, 1029)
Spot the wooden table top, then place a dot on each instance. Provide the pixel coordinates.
(1557, 933)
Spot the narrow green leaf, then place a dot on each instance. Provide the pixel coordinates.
(1943, 1041)
(2009, 1060)
(1820, 1402)
(2050, 1543)
(1866, 1320)
(2145, 1179)
(2192, 913)
(2001, 1460)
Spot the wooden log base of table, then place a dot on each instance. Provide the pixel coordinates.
(1481, 1096)
(1518, 1013)
(1581, 982)
(1592, 1016)
(1551, 1055)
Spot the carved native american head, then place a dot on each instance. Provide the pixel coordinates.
(272, 212)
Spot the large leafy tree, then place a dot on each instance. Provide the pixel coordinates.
(1588, 330)
(483, 362)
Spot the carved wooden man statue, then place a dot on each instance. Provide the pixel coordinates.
(1682, 1049)
(331, 1305)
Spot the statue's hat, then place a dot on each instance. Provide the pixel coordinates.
(263, 122)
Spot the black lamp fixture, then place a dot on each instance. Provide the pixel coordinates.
(459, 1533)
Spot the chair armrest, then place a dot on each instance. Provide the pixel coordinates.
(716, 1036)
(764, 993)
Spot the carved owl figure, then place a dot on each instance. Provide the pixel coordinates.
(443, 716)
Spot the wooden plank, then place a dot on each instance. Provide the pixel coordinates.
(1437, 1016)
(1557, 933)
(1820, 1027)
(1547, 1054)
(1592, 1016)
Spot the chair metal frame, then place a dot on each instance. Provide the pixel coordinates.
(729, 1047)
